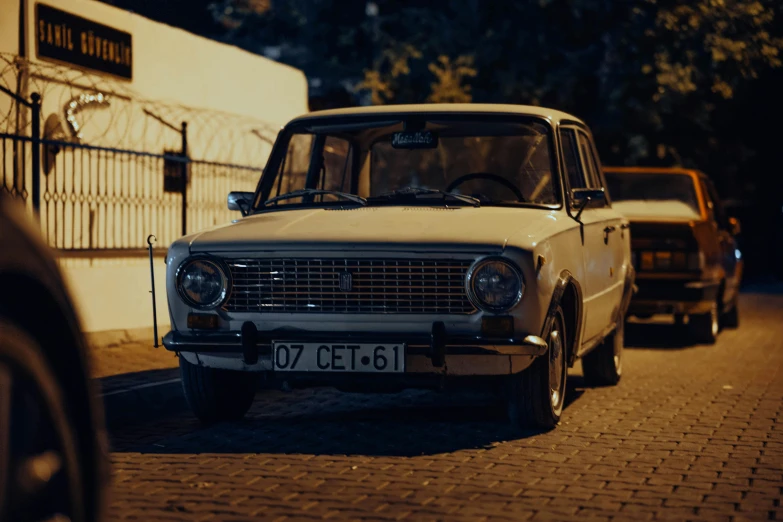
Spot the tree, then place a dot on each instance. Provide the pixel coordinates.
(657, 80)
(450, 86)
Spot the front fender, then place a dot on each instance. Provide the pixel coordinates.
(572, 309)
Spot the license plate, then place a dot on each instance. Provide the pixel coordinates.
(338, 357)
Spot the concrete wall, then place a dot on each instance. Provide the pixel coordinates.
(179, 74)
(9, 26)
(114, 293)
(176, 66)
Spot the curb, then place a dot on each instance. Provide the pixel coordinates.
(143, 403)
(114, 338)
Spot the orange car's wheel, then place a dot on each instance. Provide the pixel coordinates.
(705, 327)
(730, 318)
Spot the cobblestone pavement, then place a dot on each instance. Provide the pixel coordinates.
(691, 433)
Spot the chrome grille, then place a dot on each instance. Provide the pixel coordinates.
(392, 286)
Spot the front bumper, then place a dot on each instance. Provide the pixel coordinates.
(427, 352)
(434, 344)
(658, 296)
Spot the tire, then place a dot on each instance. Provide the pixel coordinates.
(603, 366)
(537, 395)
(730, 318)
(704, 328)
(217, 395)
(37, 432)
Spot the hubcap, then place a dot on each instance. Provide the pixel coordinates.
(618, 350)
(556, 369)
(714, 319)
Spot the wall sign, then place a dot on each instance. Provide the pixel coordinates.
(65, 37)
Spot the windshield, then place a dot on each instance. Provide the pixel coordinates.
(652, 193)
(495, 162)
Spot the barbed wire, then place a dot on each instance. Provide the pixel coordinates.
(79, 106)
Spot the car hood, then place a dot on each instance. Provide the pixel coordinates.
(637, 210)
(383, 227)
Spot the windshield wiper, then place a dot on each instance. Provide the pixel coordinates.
(314, 192)
(416, 191)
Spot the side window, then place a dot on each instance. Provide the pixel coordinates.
(573, 165)
(336, 171)
(717, 205)
(293, 168)
(707, 199)
(591, 166)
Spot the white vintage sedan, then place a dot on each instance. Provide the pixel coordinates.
(431, 246)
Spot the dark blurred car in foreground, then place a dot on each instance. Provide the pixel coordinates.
(53, 463)
(684, 247)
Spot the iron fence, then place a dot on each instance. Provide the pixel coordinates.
(97, 198)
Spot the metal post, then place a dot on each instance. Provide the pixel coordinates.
(35, 107)
(185, 161)
(150, 240)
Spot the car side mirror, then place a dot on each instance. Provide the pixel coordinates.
(588, 197)
(241, 201)
(734, 226)
(584, 197)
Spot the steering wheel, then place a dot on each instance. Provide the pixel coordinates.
(490, 177)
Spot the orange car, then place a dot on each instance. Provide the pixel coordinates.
(684, 248)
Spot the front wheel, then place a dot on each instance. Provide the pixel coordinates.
(730, 318)
(604, 365)
(537, 395)
(216, 395)
(704, 327)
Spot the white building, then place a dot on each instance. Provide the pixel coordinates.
(115, 89)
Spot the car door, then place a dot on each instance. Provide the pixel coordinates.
(728, 244)
(617, 236)
(595, 252)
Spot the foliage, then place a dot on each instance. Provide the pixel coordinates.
(450, 86)
(725, 42)
(388, 68)
(659, 81)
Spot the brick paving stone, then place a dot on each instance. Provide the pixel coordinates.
(692, 433)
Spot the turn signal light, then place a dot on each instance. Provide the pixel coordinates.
(202, 321)
(498, 326)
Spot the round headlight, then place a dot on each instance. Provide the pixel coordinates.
(495, 285)
(202, 283)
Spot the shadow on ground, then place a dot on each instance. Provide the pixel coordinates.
(124, 381)
(322, 421)
(657, 335)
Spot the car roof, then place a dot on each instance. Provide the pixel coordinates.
(654, 170)
(445, 108)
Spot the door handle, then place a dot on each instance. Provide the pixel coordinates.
(607, 231)
(623, 228)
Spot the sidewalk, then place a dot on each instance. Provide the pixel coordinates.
(134, 378)
(126, 352)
